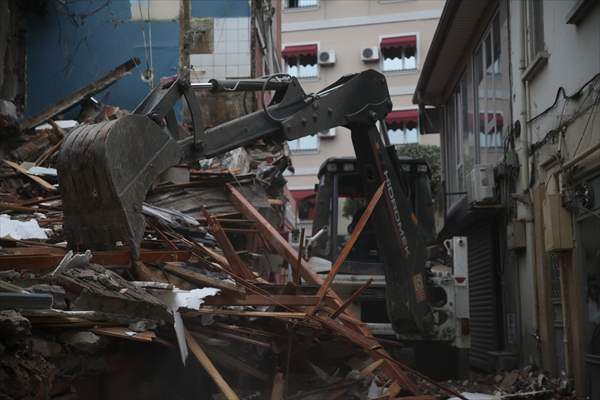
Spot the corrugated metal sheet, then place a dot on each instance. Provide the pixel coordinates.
(485, 329)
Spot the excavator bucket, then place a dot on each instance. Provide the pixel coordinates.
(105, 171)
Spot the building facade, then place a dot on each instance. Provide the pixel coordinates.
(517, 87)
(325, 39)
(214, 39)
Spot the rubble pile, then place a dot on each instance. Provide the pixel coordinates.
(529, 382)
(208, 306)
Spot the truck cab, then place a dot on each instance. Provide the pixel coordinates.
(340, 201)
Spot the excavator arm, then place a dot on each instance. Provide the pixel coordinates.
(106, 169)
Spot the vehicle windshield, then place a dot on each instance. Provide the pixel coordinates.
(351, 204)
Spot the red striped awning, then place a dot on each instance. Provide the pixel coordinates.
(483, 121)
(399, 117)
(306, 200)
(297, 51)
(398, 41)
(299, 195)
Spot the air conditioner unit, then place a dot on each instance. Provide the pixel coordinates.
(327, 57)
(327, 133)
(480, 184)
(369, 54)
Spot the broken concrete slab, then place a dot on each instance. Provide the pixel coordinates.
(46, 348)
(9, 118)
(85, 341)
(13, 325)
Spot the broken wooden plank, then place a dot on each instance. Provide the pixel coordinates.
(241, 313)
(259, 300)
(296, 271)
(393, 390)
(124, 333)
(284, 249)
(39, 200)
(370, 345)
(271, 235)
(235, 364)
(350, 243)
(34, 178)
(242, 329)
(144, 273)
(368, 370)
(277, 392)
(209, 367)
(201, 279)
(355, 337)
(351, 299)
(237, 337)
(80, 95)
(49, 152)
(236, 264)
(21, 208)
(120, 258)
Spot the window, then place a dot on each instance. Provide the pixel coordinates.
(491, 92)
(403, 126)
(305, 144)
(399, 53)
(535, 28)
(477, 113)
(293, 4)
(301, 61)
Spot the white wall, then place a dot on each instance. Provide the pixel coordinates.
(574, 58)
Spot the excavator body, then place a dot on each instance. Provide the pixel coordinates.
(106, 169)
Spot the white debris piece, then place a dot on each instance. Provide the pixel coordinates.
(20, 230)
(42, 171)
(478, 396)
(375, 391)
(64, 124)
(190, 299)
(72, 260)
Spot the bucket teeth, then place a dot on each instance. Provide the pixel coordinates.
(105, 171)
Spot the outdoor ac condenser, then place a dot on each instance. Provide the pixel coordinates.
(327, 57)
(480, 184)
(369, 54)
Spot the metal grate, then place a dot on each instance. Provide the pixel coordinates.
(485, 329)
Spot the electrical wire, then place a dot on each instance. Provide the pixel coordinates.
(565, 96)
(553, 132)
(592, 113)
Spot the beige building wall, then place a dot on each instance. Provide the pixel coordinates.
(346, 27)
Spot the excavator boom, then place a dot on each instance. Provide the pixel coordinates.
(106, 169)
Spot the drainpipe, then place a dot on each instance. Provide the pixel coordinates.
(524, 210)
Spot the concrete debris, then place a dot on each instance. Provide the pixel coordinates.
(530, 382)
(84, 341)
(46, 348)
(9, 119)
(13, 324)
(71, 260)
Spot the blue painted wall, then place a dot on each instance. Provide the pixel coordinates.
(79, 42)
